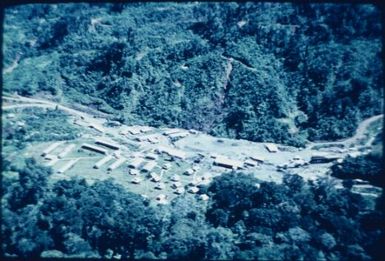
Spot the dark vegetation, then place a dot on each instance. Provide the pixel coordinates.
(37, 125)
(299, 71)
(283, 73)
(294, 220)
(368, 167)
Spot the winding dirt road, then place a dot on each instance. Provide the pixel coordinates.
(360, 133)
(32, 102)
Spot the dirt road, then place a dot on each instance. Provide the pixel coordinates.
(362, 127)
(32, 102)
(360, 133)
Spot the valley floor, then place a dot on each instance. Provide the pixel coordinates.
(178, 160)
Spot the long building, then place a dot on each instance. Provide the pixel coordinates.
(108, 144)
(271, 147)
(103, 161)
(96, 127)
(51, 148)
(133, 131)
(227, 163)
(50, 157)
(172, 152)
(135, 163)
(66, 150)
(151, 156)
(175, 178)
(257, 158)
(145, 129)
(155, 177)
(153, 139)
(178, 135)
(149, 166)
(52, 162)
(94, 148)
(117, 163)
(67, 166)
(171, 131)
(140, 138)
(323, 158)
(250, 163)
(136, 180)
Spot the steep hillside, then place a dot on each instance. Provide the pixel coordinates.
(258, 71)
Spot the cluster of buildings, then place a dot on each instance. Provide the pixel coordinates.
(171, 152)
(52, 159)
(142, 167)
(175, 134)
(101, 146)
(135, 130)
(145, 164)
(225, 162)
(323, 157)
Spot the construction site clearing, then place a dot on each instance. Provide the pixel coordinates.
(162, 163)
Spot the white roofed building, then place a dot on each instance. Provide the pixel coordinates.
(179, 191)
(193, 190)
(117, 164)
(151, 156)
(153, 139)
(176, 185)
(51, 148)
(324, 157)
(258, 159)
(94, 148)
(227, 163)
(204, 197)
(133, 130)
(271, 147)
(108, 144)
(160, 186)
(52, 162)
(167, 166)
(178, 135)
(50, 157)
(162, 199)
(135, 163)
(67, 166)
(136, 180)
(172, 152)
(170, 131)
(175, 178)
(251, 163)
(194, 182)
(66, 150)
(97, 127)
(102, 161)
(149, 166)
(188, 172)
(155, 177)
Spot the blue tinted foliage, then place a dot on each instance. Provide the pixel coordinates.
(241, 70)
(295, 219)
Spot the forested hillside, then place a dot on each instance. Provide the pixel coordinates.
(295, 220)
(258, 71)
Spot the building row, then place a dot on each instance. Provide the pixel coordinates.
(178, 154)
(107, 144)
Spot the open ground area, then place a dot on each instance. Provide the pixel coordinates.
(171, 162)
